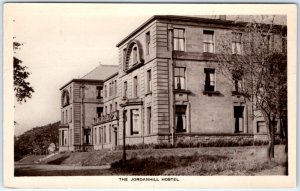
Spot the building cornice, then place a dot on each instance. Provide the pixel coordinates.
(81, 81)
(191, 19)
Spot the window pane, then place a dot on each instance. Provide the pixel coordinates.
(182, 83)
(135, 121)
(205, 47)
(212, 78)
(177, 83)
(238, 48)
(233, 48)
(210, 38)
(176, 33)
(176, 71)
(181, 33)
(175, 44)
(210, 48)
(181, 71)
(181, 44)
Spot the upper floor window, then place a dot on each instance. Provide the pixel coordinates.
(99, 111)
(178, 39)
(125, 89)
(65, 98)
(148, 43)
(179, 78)
(112, 86)
(135, 87)
(71, 114)
(236, 43)
(237, 78)
(149, 81)
(208, 41)
(266, 42)
(105, 90)
(116, 88)
(110, 108)
(125, 64)
(99, 92)
(116, 106)
(134, 55)
(209, 79)
(70, 93)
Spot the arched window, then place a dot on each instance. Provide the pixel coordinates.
(133, 55)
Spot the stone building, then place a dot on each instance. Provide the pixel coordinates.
(81, 103)
(167, 89)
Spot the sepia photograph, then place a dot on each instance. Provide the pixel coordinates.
(150, 94)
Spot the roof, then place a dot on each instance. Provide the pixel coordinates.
(101, 72)
(98, 75)
(230, 20)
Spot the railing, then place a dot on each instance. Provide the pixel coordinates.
(107, 118)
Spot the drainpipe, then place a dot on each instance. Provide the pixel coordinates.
(172, 94)
(124, 137)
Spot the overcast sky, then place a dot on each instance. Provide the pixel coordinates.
(62, 42)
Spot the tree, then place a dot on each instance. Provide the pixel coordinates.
(255, 61)
(22, 88)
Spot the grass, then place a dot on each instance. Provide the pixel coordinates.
(178, 161)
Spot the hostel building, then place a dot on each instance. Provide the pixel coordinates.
(166, 88)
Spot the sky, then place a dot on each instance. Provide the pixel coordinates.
(61, 44)
(66, 41)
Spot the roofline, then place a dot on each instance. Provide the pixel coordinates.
(104, 65)
(113, 75)
(137, 30)
(81, 80)
(181, 18)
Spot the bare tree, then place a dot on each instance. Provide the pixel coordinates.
(254, 59)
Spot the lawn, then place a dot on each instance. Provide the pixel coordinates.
(204, 161)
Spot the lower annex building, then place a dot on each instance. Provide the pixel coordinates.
(165, 89)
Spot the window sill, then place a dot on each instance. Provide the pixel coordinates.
(210, 93)
(182, 91)
(236, 93)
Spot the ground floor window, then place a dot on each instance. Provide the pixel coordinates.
(261, 127)
(100, 136)
(109, 133)
(95, 135)
(238, 119)
(64, 137)
(135, 122)
(180, 116)
(71, 136)
(104, 134)
(87, 136)
(149, 117)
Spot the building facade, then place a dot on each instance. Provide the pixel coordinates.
(167, 87)
(81, 103)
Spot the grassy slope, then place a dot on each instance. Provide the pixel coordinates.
(187, 161)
